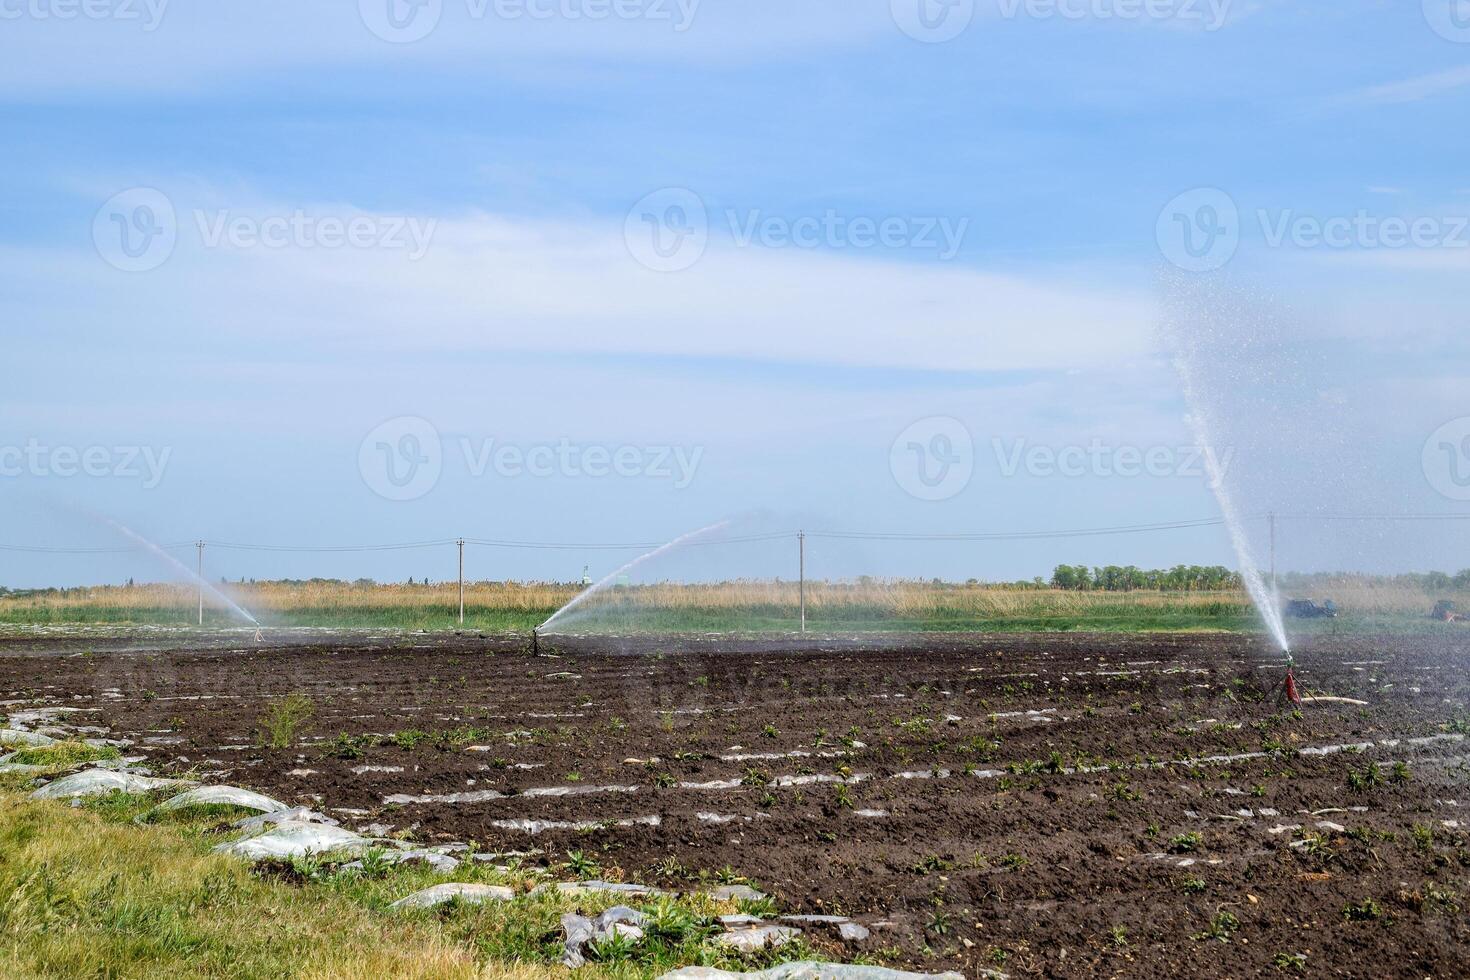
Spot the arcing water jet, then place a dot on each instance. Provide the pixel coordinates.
(611, 577)
(183, 569)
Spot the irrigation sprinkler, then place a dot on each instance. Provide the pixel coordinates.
(1292, 694)
(535, 641)
(1288, 685)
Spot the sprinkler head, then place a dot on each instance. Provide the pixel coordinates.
(535, 641)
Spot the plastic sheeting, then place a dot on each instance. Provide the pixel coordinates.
(295, 838)
(815, 971)
(100, 782)
(427, 898)
(223, 796)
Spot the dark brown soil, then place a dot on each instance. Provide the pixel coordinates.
(1050, 844)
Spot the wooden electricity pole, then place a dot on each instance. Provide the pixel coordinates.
(801, 575)
(460, 542)
(199, 546)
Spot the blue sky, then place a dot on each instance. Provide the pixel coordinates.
(1028, 171)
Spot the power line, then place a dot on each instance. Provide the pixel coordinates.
(408, 546)
(1374, 517)
(35, 550)
(1016, 535)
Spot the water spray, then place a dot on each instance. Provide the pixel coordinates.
(613, 576)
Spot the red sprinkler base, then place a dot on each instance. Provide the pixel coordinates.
(1292, 694)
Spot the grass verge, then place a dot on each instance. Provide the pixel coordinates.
(90, 893)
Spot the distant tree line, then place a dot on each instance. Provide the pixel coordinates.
(1129, 578)
(1422, 581)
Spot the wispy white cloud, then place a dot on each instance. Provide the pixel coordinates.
(489, 283)
(172, 48)
(1415, 89)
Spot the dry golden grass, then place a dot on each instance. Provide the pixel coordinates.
(92, 892)
(524, 604)
(733, 604)
(87, 898)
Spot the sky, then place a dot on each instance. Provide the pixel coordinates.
(610, 271)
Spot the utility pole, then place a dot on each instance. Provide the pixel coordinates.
(199, 546)
(460, 542)
(801, 575)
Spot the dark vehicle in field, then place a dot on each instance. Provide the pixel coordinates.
(1444, 611)
(1311, 609)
